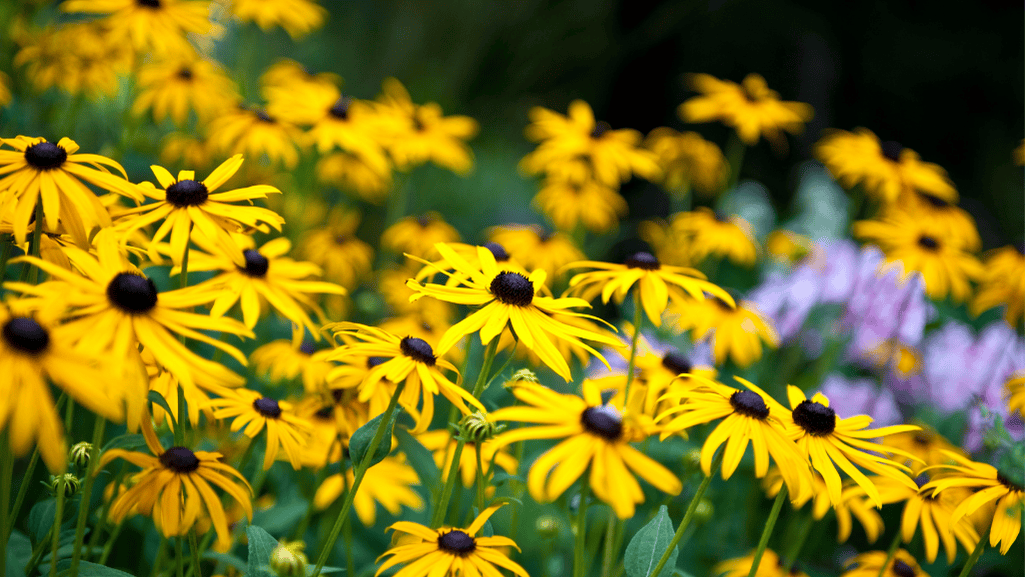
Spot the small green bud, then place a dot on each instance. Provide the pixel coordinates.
(704, 512)
(692, 459)
(477, 428)
(80, 453)
(522, 375)
(288, 559)
(547, 526)
(70, 482)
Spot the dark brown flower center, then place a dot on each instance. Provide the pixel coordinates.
(26, 335)
(425, 220)
(325, 413)
(179, 460)
(132, 293)
(927, 242)
(185, 74)
(604, 421)
(600, 128)
(45, 156)
(1020, 247)
(498, 251)
(307, 347)
(892, 150)
(267, 407)
(340, 109)
(642, 260)
(187, 193)
(921, 480)
(1005, 480)
(512, 288)
(374, 361)
(902, 569)
(256, 263)
(418, 350)
(262, 116)
(676, 363)
(721, 216)
(815, 418)
(933, 200)
(750, 404)
(457, 542)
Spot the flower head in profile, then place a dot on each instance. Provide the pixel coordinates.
(297, 17)
(509, 299)
(871, 564)
(771, 565)
(151, 25)
(188, 207)
(254, 413)
(595, 435)
(451, 551)
(1002, 283)
(750, 108)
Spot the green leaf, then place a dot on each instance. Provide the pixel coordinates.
(40, 519)
(420, 459)
(229, 560)
(19, 551)
(87, 569)
(648, 545)
(157, 398)
(126, 441)
(261, 544)
(361, 438)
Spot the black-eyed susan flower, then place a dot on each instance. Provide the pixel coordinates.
(953, 220)
(1002, 282)
(667, 243)
(335, 248)
(566, 203)
(921, 245)
(596, 436)
(151, 25)
(534, 248)
(423, 133)
(578, 148)
(174, 487)
(407, 360)
(661, 368)
(369, 177)
(829, 441)
(268, 276)
(747, 418)
(510, 299)
(1015, 392)
(417, 235)
(180, 149)
(388, 483)
(442, 446)
(451, 551)
(174, 86)
(871, 565)
(927, 445)
(654, 281)
(285, 72)
(771, 565)
(190, 207)
(82, 58)
(788, 246)
(711, 233)
(284, 360)
(251, 131)
(854, 504)
(737, 332)
(254, 413)
(991, 486)
(56, 176)
(164, 382)
(750, 108)
(5, 89)
(297, 17)
(33, 352)
(688, 161)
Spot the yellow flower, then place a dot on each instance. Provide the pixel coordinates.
(771, 565)
(389, 483)
(665, 371)
(254, 132)
(853, 504)
(884, 169)
(738, 330)
(297, 17)
(535, 248)
(283, 360)
(870, 564)
(173, 86)
(750, 108)
(80, 58)
(370, 177)
(508, 298)
(955, 222)
(1002, 282)
(33, 352)
(688, 162)
(922, 245)
(180, 149)
(1016, 393)
(345, 258)
(450, 552)
(442, 446)
(417, 235)
(711, 233)
(578, 149)
(5, 89)
(596, 435)
(788, 246)
(190, 208)
(287, 73)
(174, 487)
(255, 412)
(655, 282)
(157, 25)
(591, 204)
(928, 447)
(56, 176)
(668, 244)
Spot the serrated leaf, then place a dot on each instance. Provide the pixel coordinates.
(420, 459)
(261, 544)
(648, 545)
(359, 443)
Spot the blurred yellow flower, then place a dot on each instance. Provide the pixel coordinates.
(159, 26)
(713, 233)
(79, 58)
(335, 248)
(417, 235)
(1002, 282)
(255, 133)
(688, 162)
(388, 483)
(297, 17)
(567, 204)
(174, 86)
(534, 248)
(5, 89)
(738, 331)
(788, 246)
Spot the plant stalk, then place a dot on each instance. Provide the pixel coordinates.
(87, 488)
(767, 531)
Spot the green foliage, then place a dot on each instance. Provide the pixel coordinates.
(649, 544)
(359, 444)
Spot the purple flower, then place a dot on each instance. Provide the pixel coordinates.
(852, 397)
(997, 354)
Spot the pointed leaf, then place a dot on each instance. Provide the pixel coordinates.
(648, 546)
(261, 544)
(360, 441)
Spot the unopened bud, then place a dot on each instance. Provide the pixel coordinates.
(547, 526)
(477, 428)
(704, 512)
(288, 559)
(692, 459)
(522, 375)
(80, 453)
(68, 481)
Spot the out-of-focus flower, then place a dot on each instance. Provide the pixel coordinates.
(738, 331)
(1015, 393)
(884, 169)
(345, 258)
(174, 86)
(417, 235)
(371, 181)
(1018, 154)
(442, 445)
(1002, 283)
(297, 17)
(771, 565)
(955, 222)
(388, 483)
(79, 58)
(159, 26)
(668, 244)
(750, 108)
(788, 246)
(862, 397)
(253, 132)
(287, 73)
(283, 360)
(870, 564)
(180, 149)
(854, 504)
(591, 204)
(535, 248)
(5, 89)
(688, 162)
(712, 233)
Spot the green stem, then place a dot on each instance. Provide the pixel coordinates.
(87, 488)
(890, 553)
(480, 478)
(735, 156)
(581, 536)
(609, 548)
(360, 471)
(798, 543)
(109, 546)
(195, 569)
(183, 276)
(350, 563)
(976, 553)
(6, 246)
(203, 546)
(638, 319)
(101, 525)
(178, 561)
(58, 516)
(767, 531)
(179, 429)
(6, 474)
(34, 248)
(161, 555)
(716, 462)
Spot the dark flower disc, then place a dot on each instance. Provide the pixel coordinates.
(512, 288)
(498, 251)
(374, 361)
(340, 109)
(749, 403)
(815, 418)
(256, 263)
(604, 421)
(642, 260)
(179, 460)
(132, 293)
(185, 74)
(902, 569)
(418, 350)
(457, 542)
(927, 242)
(187, 193)
(45, 156)
(26, 335)
(934, 200)
(600, 128)
(678, 364)
(307, 347)
(267, 407)
(892, 150)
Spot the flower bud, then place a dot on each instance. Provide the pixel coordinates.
(547, 526)
(288, 559)
(71, 484)
(522, 375)
(692, 459)
(80, 454)
(477, 428)
(704, 512)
